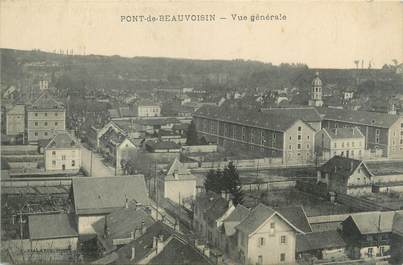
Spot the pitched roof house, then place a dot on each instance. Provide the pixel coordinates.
(107, 194)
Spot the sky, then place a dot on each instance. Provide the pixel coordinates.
(322, 34)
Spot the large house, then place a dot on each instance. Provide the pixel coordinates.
(94, 198)
(346, 175)
(15, 121)
(368, 234)
(266, 237)
(383, 132)
(62, 152)
(274, 135)
(348, 142)
(45, 118)
(146, 108)
(178, 184)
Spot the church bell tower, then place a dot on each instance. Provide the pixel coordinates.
(316, 92)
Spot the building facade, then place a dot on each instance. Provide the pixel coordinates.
(265, 237)
(348, 142)
(15, 120)
(273, 135)
(45, 118)
(147, 108)
(63, 152)
(383, 132)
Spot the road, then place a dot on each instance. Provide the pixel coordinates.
(99, 169)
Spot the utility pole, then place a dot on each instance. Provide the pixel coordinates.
(156, 190)
(91, 164)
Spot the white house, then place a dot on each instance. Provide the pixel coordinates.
(178, 184)
(347, 142)
(266, 237)
(62, 153)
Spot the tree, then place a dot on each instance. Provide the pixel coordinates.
(191, 135)
(227, 181)
(232, 183)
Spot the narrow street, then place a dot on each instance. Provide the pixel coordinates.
(99, 169)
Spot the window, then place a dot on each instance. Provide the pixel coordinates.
(36, 134)
(283, 239)
(45, 133)
(290, 138)
(53, 152)
(308, 146)
(56, 114)
(46, 123)
(377, 132)
(260, 260)
(282, 257)
(46, 114)
(299, 146)
(36, 123)
(73, 163)
(36, 114)
(377, 140)
(299, 128)
(290, 147)
(308, 137)
(261, 241)
(54, 163)
(272, 228)
(243, 133)
(299, 137)
(63, 157)
(56, 123)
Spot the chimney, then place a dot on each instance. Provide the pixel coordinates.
(155, 242)
(133, 254)
(126, 204)
(143, 228)
(351, 165)
(132, 234)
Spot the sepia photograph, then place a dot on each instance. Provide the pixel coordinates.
(169, 132)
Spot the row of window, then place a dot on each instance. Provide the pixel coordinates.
(46, 123)
(73, 162)
(46, 114)
(347, 144)
(260, 259)
(262, 241)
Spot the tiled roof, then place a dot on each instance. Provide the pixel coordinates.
(178, 171)
(239, 213)
(63, 141)
(179, 252)
(344, 133)
(375, 119)
(121, 223)
(51, 226)
(17, 110)
(98, 195)
(45, 101)
(296, 215)
(143, 245)
(341, 168)
(247, 116)
(307, 114)
(373, 222)
(319, 240)
(255, 218)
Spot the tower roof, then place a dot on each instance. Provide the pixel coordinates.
(316, 81)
